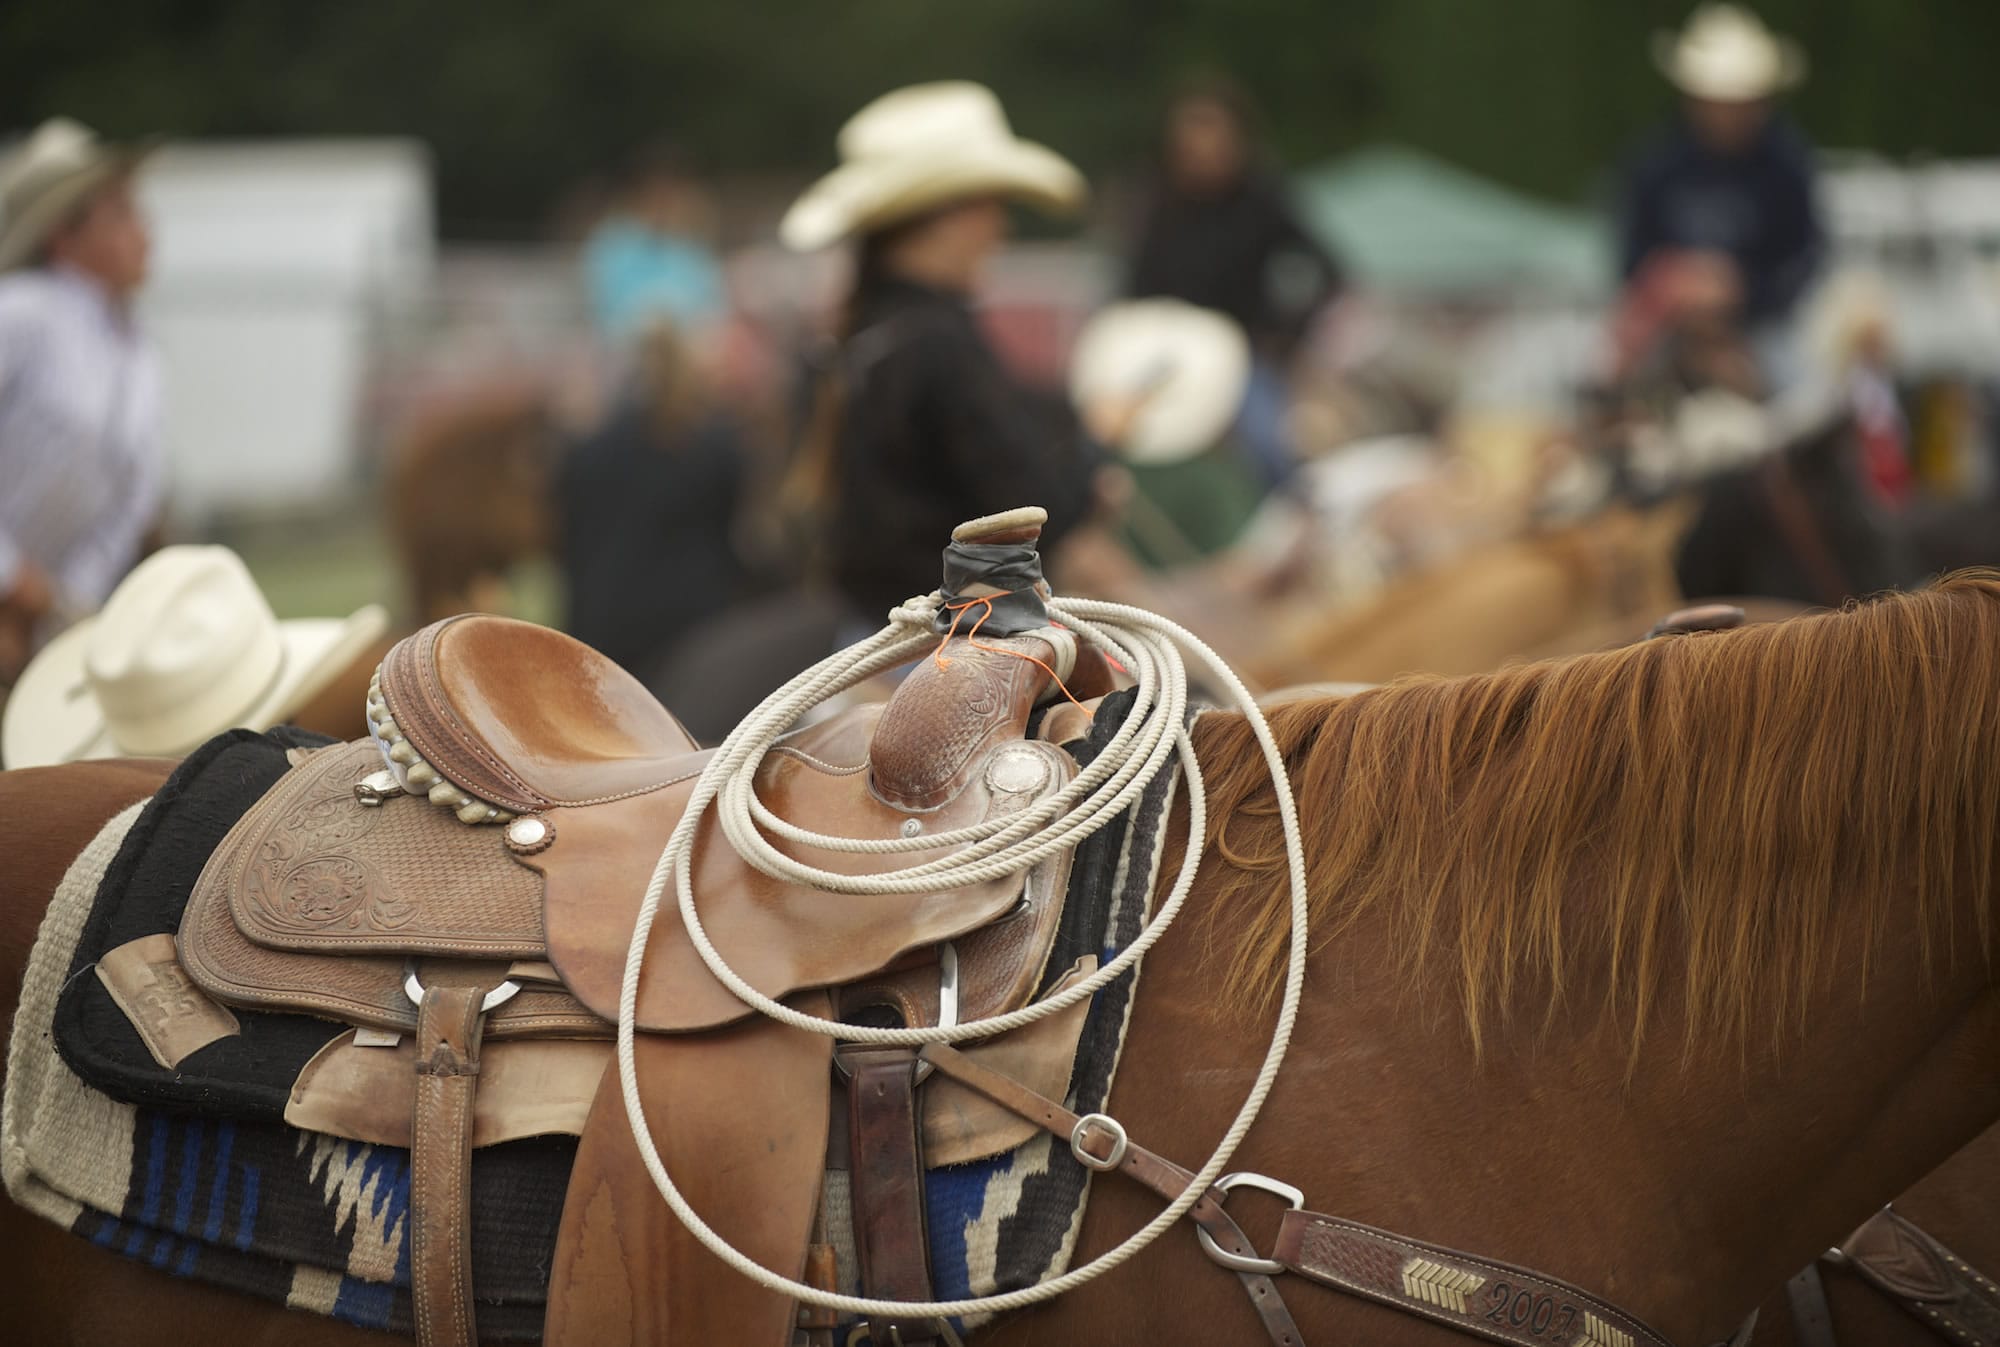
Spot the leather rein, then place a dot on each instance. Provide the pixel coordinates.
(1924, 1278)
(1477, 1296)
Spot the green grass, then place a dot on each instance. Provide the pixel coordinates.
(327, 564)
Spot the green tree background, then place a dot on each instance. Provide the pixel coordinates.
(521, 98)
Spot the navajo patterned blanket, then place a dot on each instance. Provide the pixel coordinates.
(191, 1170)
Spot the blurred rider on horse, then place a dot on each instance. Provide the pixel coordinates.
(1718, 232)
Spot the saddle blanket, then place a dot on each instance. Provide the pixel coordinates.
(191, 1169)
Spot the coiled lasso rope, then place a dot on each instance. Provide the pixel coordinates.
(1154, 729)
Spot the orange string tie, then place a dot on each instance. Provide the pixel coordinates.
(972, 639)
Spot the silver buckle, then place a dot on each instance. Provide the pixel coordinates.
(1237, 1262)
(1120, 1143)
(415, 989)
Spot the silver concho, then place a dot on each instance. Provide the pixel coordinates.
(529, 834)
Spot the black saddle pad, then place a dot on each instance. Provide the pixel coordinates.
(219, 1188)
(245, 1075)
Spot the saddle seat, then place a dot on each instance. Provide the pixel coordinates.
(523, 717)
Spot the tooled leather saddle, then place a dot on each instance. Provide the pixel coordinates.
(473, 872)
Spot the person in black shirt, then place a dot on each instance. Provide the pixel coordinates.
(1220, 232)
(917, 426)
(647, 501)
(1718, 211)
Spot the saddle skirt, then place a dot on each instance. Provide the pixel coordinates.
(319, 902)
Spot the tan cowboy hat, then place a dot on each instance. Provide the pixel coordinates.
(53, 173)
(185, 648)
(1727, 54)
(1188, 366)
(919, 148)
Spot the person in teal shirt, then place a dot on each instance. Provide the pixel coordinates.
(651, 257)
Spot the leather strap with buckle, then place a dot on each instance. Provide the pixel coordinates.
(1488, 1299)
(1924, 1277)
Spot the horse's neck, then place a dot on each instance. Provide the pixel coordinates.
(1683, 1190)
(1781, 1150)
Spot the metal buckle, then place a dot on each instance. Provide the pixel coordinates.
(415, 989)
(1237, 1262)
(1119, 1142)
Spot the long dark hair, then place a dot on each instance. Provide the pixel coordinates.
(807, 485)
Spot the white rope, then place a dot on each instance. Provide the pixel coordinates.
(1155, 729)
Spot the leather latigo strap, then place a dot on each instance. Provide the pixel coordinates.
(887, 1174)
(448, 1028)
(1496, 1301)
(1926, 1279)
(1161, 1175)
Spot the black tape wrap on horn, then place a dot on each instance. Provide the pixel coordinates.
(972, 570)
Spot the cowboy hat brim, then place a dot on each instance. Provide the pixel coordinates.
(1699, 80)
(869, 194)
(53, 716)
(25, 230)
(1189, 366)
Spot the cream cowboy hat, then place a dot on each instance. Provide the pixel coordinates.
(185, 648)
(53, 173)
(1189, 366)
(1727, 54)
(919, 148)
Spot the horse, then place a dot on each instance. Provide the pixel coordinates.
(1658, 969)
(1797, 524)
(1548, 593)
(466, 495)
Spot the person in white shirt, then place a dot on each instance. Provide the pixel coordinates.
(82, 469)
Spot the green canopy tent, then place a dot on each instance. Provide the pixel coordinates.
(1404, 222)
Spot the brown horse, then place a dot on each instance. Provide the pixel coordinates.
(467, 495)
(1545, 594)
(1657, 970)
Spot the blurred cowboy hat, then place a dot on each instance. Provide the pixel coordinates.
(919, 148)
(1726, 54)
(1187, 368)
(51, 174)
(185, 648)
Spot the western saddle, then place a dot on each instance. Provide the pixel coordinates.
(471, 874)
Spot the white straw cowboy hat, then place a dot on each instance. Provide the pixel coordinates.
(49, 175)
(919, 148)
(185, 648)
(1727, 54)
(1188, 366)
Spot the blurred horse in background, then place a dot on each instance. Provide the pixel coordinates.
(469, 496)
(1552, 592)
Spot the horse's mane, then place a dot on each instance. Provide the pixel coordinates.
(1689, 815)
